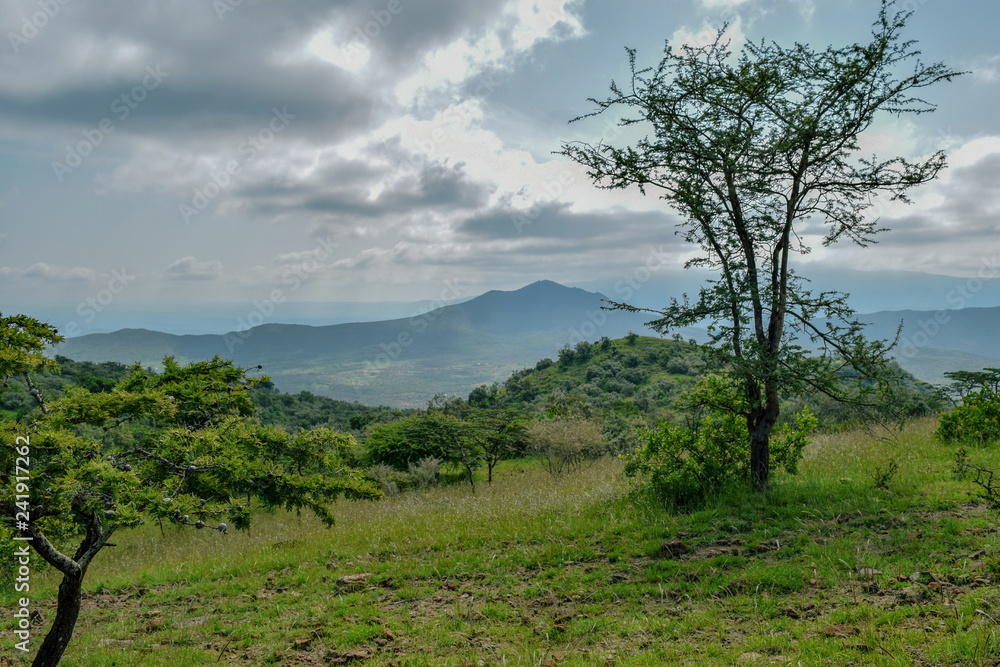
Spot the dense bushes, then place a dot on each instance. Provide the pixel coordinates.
(975, 422)
(685, 464)
(410, 439)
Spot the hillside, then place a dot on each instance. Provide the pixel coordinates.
(628, 376)
(834, 567)
(636, 381)
(455, 348)
(290, 411)
(400, 362)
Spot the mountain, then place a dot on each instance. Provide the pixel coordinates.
(400, 362)
(452, 349)
(934, 342)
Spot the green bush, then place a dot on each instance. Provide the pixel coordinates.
(687, 465)
(975, 422)
(408, 440)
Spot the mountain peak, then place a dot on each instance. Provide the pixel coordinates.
(550, 288)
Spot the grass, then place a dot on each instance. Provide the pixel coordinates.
(842, 564)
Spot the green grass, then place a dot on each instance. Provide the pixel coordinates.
(826, 568)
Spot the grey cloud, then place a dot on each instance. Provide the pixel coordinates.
(554, 220)
(968, 214)
(341, 189)
(437, 186)
(222, 73)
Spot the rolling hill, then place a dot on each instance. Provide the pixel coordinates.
(399, 362)
(452, 349)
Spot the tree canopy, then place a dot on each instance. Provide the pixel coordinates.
(180, 446)
(749, 149)
(753, 151)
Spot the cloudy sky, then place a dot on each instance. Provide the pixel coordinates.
(183, 153)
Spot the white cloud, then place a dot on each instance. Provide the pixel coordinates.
(43, 271)
(523, 25)
(189, 268)
(708, 33)
(987, 69)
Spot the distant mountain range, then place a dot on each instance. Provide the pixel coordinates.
(934, 342)
(870, 291)
(400, 362)
(403, 362)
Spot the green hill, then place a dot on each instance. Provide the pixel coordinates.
(631, 375)
(641, 378)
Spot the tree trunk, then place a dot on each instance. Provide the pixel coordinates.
(760, 456)
(67, 611)
(760, 438)
(71, 589)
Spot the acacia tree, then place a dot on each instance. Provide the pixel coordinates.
(747, 149)
(179, 446)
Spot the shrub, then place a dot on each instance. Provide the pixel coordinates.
(687, 465)
(975, 422)
(408, 440)
(426, 472)
(565, 443)
(389, 480)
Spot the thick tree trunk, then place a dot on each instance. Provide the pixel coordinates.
(61, 632)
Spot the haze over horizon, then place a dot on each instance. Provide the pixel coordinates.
(173, 157)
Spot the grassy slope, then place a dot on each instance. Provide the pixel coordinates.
(540, 571)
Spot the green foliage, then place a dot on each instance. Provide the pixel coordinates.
(748, 148)
(180, 442)
(178, 446)
(684, 465)
(891, 405)
(964, 383)
(23, 341)
(308, 410)
(975, 422)
(614, 376)
(451, 431)
(407, 440)
(687, 464)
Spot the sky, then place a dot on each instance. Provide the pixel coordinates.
(176, 155)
